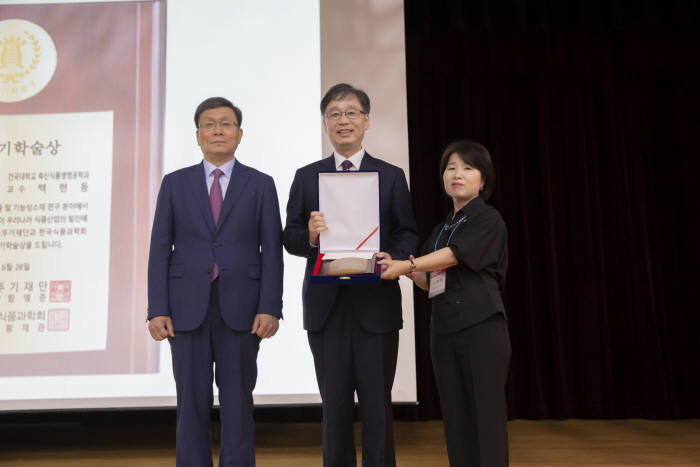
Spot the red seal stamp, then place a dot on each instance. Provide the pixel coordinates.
(59, 291)
(58, 319)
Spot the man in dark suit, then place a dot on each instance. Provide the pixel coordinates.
(353, 330)
(215, 285)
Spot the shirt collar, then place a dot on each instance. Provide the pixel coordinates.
(471, 208)
(356, 159)
(226, 168)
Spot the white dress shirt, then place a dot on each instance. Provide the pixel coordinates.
(224, 178)
(356, 160)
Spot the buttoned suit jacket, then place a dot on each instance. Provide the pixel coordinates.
(376, 307)
(246, 245)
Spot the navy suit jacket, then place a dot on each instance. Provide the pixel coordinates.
(377, 307)
(246, 245)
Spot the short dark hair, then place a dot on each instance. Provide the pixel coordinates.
(477, 156)
(215, 103)
(341, 90)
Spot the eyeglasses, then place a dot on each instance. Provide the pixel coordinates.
(352, 114)
(225, 125)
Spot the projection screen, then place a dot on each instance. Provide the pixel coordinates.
(96, 104)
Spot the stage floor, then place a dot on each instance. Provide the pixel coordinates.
(532, 443)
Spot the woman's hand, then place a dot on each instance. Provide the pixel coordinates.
(391, 269)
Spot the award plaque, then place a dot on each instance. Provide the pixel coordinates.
(349, 202)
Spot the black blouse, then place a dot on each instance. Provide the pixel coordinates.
(473, 286)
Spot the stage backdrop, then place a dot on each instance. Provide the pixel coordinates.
(590, 111)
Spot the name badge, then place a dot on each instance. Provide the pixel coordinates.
(437, 283)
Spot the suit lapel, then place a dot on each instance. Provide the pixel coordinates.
(239, 179)
(328, 164)
(198, 184)
(368, 162)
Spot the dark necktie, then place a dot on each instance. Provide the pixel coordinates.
(216, 199)
(346, 165)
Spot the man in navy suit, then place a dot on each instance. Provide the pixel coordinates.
(215, 285)
(353, 330)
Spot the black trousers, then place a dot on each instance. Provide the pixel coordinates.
(471, 370)
(348, 358)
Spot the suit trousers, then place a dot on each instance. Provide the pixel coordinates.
(471, 370)
(348, 358)
(233, 354)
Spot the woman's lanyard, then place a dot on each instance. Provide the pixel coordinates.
(444, 228)
(438, 279)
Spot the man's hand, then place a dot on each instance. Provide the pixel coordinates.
(161, 327)
(384, 260)
(265, 325)
(317, 224)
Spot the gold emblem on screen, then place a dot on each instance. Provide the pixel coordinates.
(27, 59)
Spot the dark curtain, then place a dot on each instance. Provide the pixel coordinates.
(590, 111)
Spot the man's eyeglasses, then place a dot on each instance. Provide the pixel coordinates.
(352, 114)
(225, 126)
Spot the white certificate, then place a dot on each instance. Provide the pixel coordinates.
(349, 202)
(55, 199)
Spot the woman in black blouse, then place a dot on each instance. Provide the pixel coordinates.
(464, 265)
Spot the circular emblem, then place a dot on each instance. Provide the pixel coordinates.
(27, 59)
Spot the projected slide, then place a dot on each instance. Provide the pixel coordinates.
(56, 208)
(81, 117)
(96, 105)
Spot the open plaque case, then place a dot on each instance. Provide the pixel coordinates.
(349, 202)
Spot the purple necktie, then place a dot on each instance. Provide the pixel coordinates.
(216, 199)
(346, 165)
